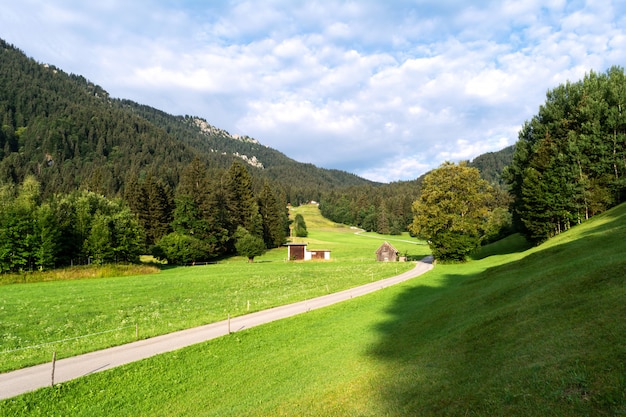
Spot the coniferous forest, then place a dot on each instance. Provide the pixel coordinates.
(88, 178)
(570, 159)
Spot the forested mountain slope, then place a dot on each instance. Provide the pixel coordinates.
(70, 134)
(492, 164)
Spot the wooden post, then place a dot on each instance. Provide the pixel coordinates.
(136, 330)
(248, 305)
(229, 323)
(54, 363)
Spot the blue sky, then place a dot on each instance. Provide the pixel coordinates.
(384, 89)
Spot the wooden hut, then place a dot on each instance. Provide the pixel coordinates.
(299, 252)
(387, 253)
(296, 251)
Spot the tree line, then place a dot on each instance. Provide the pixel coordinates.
(570, 159)
(388, 209)
(383, 209)
(568, 164)
(202, 221)
(77, 228)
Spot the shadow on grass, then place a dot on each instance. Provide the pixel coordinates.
(514, 243)
(539, 336)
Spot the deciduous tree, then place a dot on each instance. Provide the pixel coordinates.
(452, 210)
(248, 245)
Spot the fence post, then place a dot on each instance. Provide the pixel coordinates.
(54, 362)
(228, 323)
(136, 330)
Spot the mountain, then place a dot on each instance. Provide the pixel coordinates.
(71, 134)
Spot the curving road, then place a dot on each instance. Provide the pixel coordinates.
(29, 379)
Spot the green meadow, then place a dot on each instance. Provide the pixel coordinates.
(516, 331)
(72, 316)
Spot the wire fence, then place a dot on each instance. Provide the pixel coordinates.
(70, 339)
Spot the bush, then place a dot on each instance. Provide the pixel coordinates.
(249, 245)
(180, 249)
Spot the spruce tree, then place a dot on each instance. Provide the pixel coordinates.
(241, 201)
(274, 215)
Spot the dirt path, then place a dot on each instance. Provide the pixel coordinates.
(29, 379)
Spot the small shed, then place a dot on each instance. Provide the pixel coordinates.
(320, 254)
(299, 252)
(296, 251)
(387, 253)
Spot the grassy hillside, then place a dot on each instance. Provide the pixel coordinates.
(533, 333)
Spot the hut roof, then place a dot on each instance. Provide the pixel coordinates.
(388, 245)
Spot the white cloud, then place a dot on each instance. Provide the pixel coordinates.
(440, 80)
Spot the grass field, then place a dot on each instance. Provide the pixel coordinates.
(515, 332)
(76, 316)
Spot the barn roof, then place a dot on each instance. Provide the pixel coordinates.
(389, 247)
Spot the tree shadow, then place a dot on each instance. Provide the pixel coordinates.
(512, 339)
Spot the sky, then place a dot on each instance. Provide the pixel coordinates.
(387, 90)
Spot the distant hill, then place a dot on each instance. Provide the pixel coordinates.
(492, 164)
(71, 134)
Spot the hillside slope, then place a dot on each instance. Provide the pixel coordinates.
(533, 333)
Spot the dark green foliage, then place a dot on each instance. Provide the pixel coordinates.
(275, 217)
(180, 249)
(248, 245)
(70, 134)
(241, 202)
(177, 173)
(299, 226)
(492, 164)
(47, 237)
(212, 205)
(570, 160)
(383, 209)
(17, 225)
(190, 214)
(82, 227)
(98, 229)
(153, 204)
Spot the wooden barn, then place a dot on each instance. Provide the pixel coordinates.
(387, 253)
(299, 252)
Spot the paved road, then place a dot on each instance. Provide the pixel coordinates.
(29, 379)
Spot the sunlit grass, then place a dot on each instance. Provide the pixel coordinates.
(533, 333)
(79, 272)
(71, 315)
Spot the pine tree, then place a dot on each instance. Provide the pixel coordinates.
(241, 201)
(159, 210)
(299, 226)
(570, 159)
(274, 215)
(47, 237)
